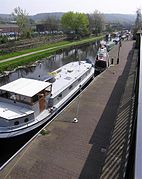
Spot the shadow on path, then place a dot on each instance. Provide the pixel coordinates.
(101, 138)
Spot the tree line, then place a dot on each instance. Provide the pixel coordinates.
(74, 24)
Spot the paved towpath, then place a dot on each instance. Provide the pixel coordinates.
(96, 146)
(30, 53)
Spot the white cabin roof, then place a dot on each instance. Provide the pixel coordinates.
(67, 75)
(26, 87)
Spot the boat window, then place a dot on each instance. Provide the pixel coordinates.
(25, 99)
(50, 102)
(26, 120)
(16, 123)
(48, 90)
(70, 70)
(101, 64)
(60, 95)
(4, 94)
(79, 79)
(101, 55)
(50, 79)
(40, 95)
(13, 97)
(47, 93)
(57, 71)
(70, 86)
(67, 78)
(35, 98)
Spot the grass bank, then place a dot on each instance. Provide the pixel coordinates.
(39, 53)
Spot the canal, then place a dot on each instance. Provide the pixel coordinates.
(39, 70)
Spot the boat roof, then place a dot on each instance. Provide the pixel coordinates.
(67, 74)
(26, 87)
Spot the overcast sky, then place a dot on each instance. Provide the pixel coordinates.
(33, 7)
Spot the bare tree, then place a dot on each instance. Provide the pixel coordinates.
(91, 25)
(138, 23)
(23, 22)
(99, 22)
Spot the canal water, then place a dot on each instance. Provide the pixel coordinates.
(39, 70)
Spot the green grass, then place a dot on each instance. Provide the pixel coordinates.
(14, 54)
(50, 50)
(9, 65)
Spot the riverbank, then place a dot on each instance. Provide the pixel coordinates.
(13, 60)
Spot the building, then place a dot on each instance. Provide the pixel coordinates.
(7, 29)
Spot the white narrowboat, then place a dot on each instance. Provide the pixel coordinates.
(26, 104)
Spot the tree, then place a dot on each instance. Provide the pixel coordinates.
(91, 23)
(1, 21)
(75, 24)
(52, 24)
(138, 22)
(23, 22)
(99, 22)
(109, 28)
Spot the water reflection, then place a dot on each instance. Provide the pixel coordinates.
(40, 69)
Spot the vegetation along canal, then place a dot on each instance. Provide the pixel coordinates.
(40, 70)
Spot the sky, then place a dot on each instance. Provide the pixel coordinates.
(33, 7)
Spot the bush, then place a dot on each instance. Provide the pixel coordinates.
(3, 39)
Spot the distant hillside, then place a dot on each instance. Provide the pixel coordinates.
(6, 17)
(122, 18)
(42, 16)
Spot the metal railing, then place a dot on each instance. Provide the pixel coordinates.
(138, 139)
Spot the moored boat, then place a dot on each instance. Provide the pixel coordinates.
(26, 104)
(102, 59)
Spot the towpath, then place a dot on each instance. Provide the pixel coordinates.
(30, 53)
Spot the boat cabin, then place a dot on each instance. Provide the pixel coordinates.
(27, 92)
